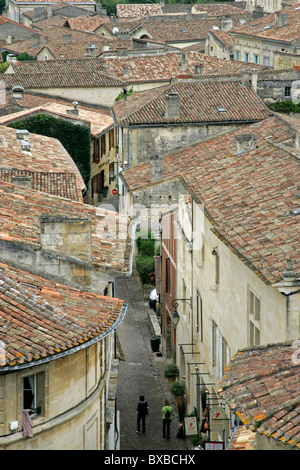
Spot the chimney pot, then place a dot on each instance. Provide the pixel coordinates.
(245, 143)
(155, 168)
(22, 134)
(173, 105)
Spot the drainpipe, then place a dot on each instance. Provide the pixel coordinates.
(287, 296)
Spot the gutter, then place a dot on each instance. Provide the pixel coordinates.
(89, 343)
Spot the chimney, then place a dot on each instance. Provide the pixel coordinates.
(173, 105)
(226, 23)
(249, 79)
(17, 92)
(182, 61)
(24, 181)
(297, 141)
(75, 110)
(198, 71)
(69, 237)
(156, 168)
(22, 134)
(245, 143)
(67, 38)
(35, 41)
(125, 71)
(91, 50)
(49, 12)
(9, 39)
(281, 19)
(25, 147)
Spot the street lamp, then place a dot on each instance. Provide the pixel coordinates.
(175, 316)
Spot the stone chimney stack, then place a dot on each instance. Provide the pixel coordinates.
(173, 105)
(17, 92)
(245, 143)
(75, 110)
(281, 19)
(182, 61)
(156, 169)
(226, 23)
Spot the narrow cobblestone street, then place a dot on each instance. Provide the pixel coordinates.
(141, 373)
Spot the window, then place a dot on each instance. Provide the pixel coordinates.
(217, 269)
(256, 59)
(254, 319)
(111, 137)
(287, 91)
(246, 56)
(237, 55)
(168, 275)
(219, 350)
(266, 61)
(34, 393)
(199, 316)
(96, 150)
(103, 145)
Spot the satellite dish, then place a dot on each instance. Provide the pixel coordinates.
(115, 30)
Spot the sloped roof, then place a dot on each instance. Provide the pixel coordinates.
(41, 320)
(198, 103)
(21, 209)
(97, 121)
(61, 80)
(145, 68)
(262, 387)
(135, 10)
(265, 27)
(249, 198)
(49, 164)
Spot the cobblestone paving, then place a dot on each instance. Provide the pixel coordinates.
(141, 373)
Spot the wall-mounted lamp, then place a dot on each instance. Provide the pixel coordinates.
(214, 251)
(175, 317)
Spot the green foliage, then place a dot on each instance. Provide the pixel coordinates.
(122, 94)
(285, 106)
(2, 6)
(3, 66)
(145, 266)
(75, 138)
(178, 389)
(171, 371)
(25, 56)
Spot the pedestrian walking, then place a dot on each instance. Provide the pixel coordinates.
(142, 410)
(166, 414)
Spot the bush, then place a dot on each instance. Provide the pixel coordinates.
(3, 66)
(285, 106)
(178, 389)
(75, 138)
(171, 371)
(145, 266)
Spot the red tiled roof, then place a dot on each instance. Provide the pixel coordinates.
(137, 10)
(198, 103)
(50, 165)
(161, 67)
(262, 387)
(21, 209)
(41, 320)
(61, 80)
(87, 23)
(248, 198)
(265, 27)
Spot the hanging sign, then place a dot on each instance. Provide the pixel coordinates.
(217, 419)
(190, 423)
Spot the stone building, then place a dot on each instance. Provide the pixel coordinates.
(57, 371)
(258, 41)
(169, 118)
(234, 266)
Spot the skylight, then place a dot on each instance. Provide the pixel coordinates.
(221, 109)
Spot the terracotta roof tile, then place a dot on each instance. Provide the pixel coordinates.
(266, 27)
(40, 319)
(48, 164)
(198, 103)
(137, 10)
(262, 385)
(21, 209)
(249, 198)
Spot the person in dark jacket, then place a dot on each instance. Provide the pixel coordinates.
(142, 410)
